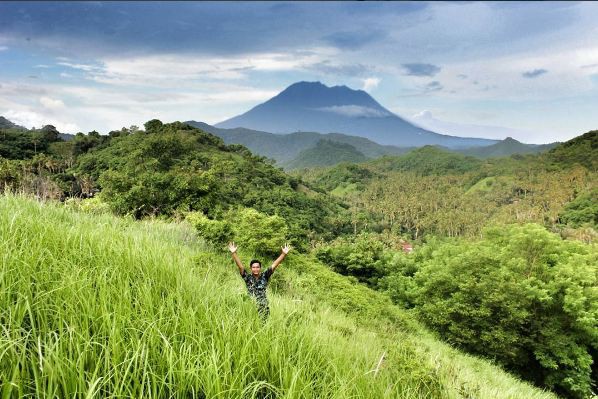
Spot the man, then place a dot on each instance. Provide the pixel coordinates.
(257, 282)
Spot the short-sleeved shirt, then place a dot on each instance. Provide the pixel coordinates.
(257, 286)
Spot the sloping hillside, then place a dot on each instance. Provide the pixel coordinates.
(97, 306)
(326, 153)
(581, 150)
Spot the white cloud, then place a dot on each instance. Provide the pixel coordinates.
(29, 118)
(370, 83)
(82, 67)
(171, 70)
(423, 115)
(354, 111)
(3, 48)
(106, 108)
(51, 103)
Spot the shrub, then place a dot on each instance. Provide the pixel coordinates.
(217, 231)
(363, 257)
(89, 205)
(258, 232)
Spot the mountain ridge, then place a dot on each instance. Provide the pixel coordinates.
(313, 106)
(283, 148)
(506, 147)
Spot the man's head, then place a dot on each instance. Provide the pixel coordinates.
(256, 266)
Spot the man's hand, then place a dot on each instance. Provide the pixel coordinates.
(286, 248)
(233, 250)
(285, 251)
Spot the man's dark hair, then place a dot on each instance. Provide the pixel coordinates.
(255, 261)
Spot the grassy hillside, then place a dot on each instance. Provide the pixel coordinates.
(99, 306)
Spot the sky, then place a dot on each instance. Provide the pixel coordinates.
(528, 70)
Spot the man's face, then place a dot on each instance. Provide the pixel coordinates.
(255, 268)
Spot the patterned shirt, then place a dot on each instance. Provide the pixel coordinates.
(257, 286)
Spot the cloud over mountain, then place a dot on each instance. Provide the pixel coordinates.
(314, 107)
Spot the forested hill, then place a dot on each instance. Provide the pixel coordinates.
(324, 153)
(284, 148)
(167, 170)
(6, 124)
(506, 147)
(433, 191)
(582, 150)
(428, 160)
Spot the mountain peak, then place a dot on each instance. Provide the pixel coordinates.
(316, 95)
(511, 140)
(6, 124)
(315, 107)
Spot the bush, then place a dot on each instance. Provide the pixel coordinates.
(582, 211)
(90, 205)
(258, 232)
(216, 231)
(363, 257)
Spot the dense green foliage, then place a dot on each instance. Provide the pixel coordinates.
(96, 306)
(259, 233)
(409, 197)
(582, 211)
(218, 232)
(430, 191)
(429, 160)
(343, 174)
(18, 143)
(165, 171)
(582, 150)
(521, 295)
(364, 257)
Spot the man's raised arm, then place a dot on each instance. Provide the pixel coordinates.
(284, 251)
(233, 250)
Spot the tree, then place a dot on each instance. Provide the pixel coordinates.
(522, 296)
(153, 126)
(50, 134)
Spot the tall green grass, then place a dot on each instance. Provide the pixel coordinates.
(99, 306)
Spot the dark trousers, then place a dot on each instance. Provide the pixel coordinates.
(263, 311)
